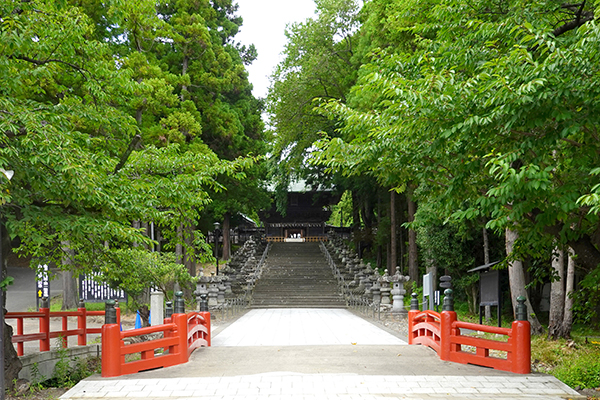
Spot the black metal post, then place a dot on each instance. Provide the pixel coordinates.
(169, 309)
(203, 303)
(448, 301)
(179, 303)
(217, 234)
(110, 312)
(414, 302)
(521, 309)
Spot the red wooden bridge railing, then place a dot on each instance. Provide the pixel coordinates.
(442, 332)
(44, 334)
(178, 337)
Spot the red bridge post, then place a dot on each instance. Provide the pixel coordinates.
(111, 342)
(179, 318)
(414, 310)
(82, 324)
(45, 325)
(447, 318)
(521, 331)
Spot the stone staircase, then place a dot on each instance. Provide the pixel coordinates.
(296, 275)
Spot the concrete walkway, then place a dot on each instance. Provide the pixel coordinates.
(294, 354)
(303, 327)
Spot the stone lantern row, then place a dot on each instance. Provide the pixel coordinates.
(359, 279)
(235, 279)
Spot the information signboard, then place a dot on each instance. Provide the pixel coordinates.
(42, 284)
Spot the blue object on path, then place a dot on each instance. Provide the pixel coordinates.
(138, 320)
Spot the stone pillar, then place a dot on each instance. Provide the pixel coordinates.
(157, 310)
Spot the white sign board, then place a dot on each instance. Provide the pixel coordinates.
(428, 291)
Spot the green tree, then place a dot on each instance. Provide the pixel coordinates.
(318, 63)
(214, 80)
(81, 122)
(487, 111)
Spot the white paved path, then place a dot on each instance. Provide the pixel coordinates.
(314, 355)
(303, 327)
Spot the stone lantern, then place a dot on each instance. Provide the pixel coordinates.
(213, 291)
(384, 282)
(201, 290)
(222, 288)
(398, 293)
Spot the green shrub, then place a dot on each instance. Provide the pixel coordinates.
(583, 371)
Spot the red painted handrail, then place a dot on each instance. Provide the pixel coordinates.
(424, 328)
(181, 335)
(442, 332)
(44, 333)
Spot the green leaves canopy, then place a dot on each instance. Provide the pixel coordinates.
(96, 129)
(493, 111)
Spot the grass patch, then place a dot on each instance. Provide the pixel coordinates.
(575, 362)
(56, 305)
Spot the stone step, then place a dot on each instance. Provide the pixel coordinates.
(286, 294)
(295, 300)
(296, 275)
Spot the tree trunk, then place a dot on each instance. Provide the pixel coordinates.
(400, 214)
(226, 236)
(486, 246)
(368, 216)
(388, 254)
(557, 295)
(472, 300)
(413, 266)
(486, 260)
(516, 277)
(12, 363)
(379, 250)
(393, 239)
(356, 220)
(179, 245)
(146, 231)
(136, 225)
(178, 253)
(70, 292)
(570, 287)
(588, 256)
(188, 256)
(184, 69)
